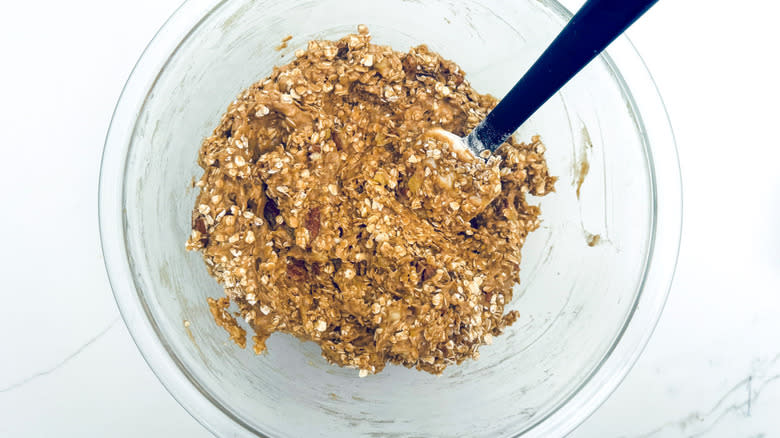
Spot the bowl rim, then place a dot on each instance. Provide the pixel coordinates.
(666, 185)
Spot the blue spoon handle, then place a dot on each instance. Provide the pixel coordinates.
(586, 35)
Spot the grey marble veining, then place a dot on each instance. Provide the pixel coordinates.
(68, 366)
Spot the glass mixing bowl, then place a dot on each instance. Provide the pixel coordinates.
(588, 303)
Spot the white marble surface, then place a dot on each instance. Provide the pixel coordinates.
(68, 366)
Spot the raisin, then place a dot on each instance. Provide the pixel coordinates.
(477, 221)
(313, 222)
(270, 212)
(296, 269)
(341, 53)
(200, 226)
(427, 273)
(409, 65)
(362, 267)
(338, 140)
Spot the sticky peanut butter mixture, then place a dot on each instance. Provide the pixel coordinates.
(332, 207)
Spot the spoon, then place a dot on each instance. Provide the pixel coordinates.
(586, 35)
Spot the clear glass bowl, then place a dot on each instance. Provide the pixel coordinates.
(587, 311)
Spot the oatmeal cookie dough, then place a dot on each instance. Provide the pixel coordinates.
(332, 208)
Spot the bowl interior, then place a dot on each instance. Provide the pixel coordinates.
(581, 274)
